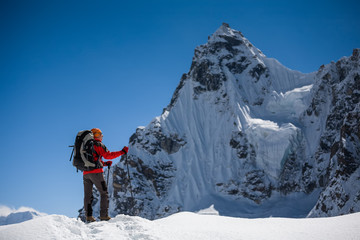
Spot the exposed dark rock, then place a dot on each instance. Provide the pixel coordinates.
(257, 188)
(257, 71)
(239, 66)
(202, 74)
(170, 144)
(240, 143)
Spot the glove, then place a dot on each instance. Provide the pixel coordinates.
(108, 163)
(125, 150)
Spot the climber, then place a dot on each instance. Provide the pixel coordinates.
(96, 177)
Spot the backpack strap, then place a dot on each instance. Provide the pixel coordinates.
(98, 144)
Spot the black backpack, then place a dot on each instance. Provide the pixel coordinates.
(83, 150)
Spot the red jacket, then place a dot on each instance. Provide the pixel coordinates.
(102, 152)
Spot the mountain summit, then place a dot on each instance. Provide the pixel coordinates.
(249, 136)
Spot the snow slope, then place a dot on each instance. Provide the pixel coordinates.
(184, 226)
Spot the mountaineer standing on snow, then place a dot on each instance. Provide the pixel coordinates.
(96, 177)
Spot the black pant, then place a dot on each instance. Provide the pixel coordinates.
(96, 179)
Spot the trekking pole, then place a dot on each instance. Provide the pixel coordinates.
(72, 151)
(127, 166)
(107, 183)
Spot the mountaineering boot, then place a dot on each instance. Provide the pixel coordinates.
(90, 219)
(106, 218)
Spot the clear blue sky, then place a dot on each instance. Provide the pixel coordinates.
(73, 65)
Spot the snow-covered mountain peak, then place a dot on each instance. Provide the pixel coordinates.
(232, 41)
(246, 134)
(224, 29)
(230, 65)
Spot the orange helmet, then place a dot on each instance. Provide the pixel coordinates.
(96, 132)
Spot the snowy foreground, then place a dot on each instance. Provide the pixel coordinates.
(184, 226)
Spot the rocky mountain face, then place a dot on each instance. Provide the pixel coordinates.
(337, 157)
(249, 136)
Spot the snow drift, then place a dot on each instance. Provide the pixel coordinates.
(185, 226)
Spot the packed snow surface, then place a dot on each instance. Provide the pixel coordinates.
(185, 225)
